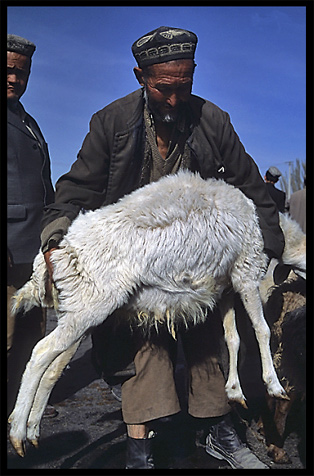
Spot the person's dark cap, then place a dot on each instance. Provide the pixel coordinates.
(274, 172)
(20, 45)
(164, 44)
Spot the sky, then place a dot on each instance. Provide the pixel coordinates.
(251, 62)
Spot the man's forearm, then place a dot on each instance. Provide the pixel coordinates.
(53, 233)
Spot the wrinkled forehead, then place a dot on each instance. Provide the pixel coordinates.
(181, 69)
(17, 60)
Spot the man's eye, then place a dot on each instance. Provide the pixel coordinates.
(162, 89)
(17, 72)
(179, 90)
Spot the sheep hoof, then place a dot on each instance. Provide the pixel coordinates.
(34, 442)
(243, 404)
(276, 390)
(284, 396)
(241, 401)
(18, 445)
(281, 394)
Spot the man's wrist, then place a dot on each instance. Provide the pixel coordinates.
(51, 244)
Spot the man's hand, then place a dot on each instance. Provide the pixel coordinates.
(50, 271)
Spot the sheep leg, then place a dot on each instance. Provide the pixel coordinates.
(44, 390)
(71, 328)
(253, 305)
(275, 439)
(44, 353)
(281, 413)
(233, 386)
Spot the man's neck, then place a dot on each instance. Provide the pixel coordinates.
(163, 136)
(13, 105)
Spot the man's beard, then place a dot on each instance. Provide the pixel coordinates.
(168, 117)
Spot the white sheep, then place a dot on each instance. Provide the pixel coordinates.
(294, 255)
(167, 251)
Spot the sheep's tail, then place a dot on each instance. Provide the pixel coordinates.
(33, 293)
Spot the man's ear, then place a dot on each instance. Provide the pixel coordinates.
(139, 75)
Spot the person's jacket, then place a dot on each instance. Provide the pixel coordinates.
(109, 165)
(29, 186)
(277, 195)
(297, 208)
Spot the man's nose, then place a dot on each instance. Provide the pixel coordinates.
(172, 99)
(12, 78)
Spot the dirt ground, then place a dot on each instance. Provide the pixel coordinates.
(89, 433)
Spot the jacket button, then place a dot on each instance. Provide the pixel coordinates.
(35, 146)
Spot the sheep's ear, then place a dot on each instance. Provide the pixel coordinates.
(281, 272)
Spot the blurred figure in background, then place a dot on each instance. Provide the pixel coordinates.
(297, 206)
(271, 178)
(29, 190)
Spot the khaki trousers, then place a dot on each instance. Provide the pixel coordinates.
(152, 392)
(23, 332)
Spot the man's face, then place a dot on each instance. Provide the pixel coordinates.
(167, 87)
(18, 69)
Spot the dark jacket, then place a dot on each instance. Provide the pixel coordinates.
(277, 195)
(109, 165)
(29, 186)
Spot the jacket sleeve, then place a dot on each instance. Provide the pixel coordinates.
(83, 187)
(242, 172)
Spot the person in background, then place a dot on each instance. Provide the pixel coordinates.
(154, 131)
(297, 206)
(271, 178)
(29, 189)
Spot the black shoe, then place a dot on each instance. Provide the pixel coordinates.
(222, 442)
(139, 453)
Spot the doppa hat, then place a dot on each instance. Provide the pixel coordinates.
(274, 172)
(20, 45)
(164, 44)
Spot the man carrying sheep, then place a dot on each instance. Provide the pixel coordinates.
(154, 131)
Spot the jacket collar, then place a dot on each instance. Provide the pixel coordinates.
(16, 117)
(136, 118)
